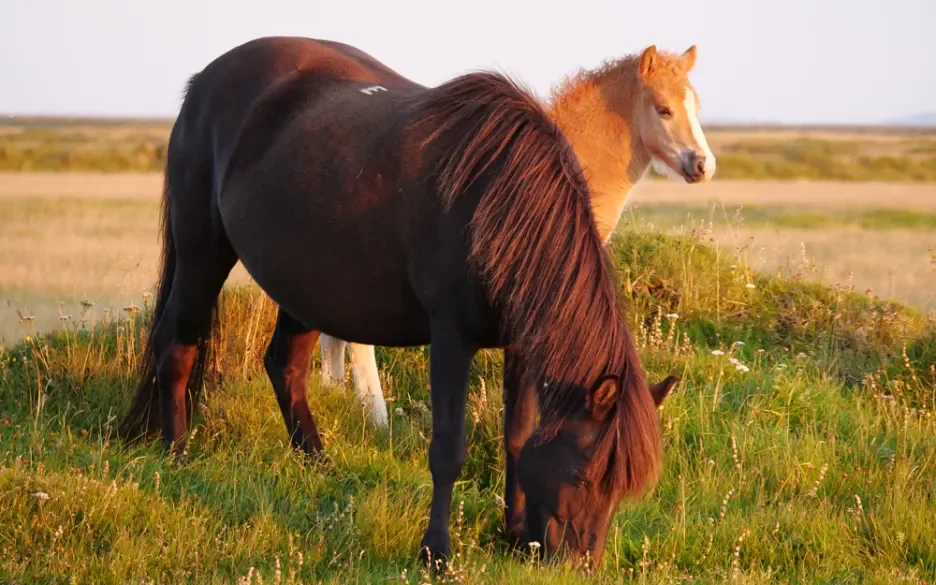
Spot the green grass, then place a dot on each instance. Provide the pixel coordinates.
(668, 216)
(817, 465)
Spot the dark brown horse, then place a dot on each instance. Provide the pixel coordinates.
(379, 211)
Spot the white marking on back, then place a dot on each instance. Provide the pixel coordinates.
(697, 134)
(370, 90)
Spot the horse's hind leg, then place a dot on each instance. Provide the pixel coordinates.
(333, 359)
(186, 322)
(364, 370)
(367, 382)
(287, 362)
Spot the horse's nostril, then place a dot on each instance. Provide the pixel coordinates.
(700, 165)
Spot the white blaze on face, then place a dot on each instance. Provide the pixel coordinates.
(698, 135)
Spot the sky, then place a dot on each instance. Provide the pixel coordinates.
(789, 61)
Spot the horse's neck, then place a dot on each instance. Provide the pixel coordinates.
(595, 116)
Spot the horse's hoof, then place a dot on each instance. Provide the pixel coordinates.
(322, 463)
(517, 537)
(435, 549)
(515, 528)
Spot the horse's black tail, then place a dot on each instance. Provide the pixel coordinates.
(143, 416)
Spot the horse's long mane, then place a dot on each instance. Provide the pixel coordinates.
(536, 247)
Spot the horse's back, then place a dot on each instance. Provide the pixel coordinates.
(319, 169)
(220, 98)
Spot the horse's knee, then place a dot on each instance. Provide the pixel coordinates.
(446, 456)
(176, 363)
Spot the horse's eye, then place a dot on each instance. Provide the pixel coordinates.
(664, 112)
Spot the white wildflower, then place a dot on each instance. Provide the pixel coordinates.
(717, 352)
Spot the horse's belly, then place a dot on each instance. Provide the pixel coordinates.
(316, 217)
(338, 281)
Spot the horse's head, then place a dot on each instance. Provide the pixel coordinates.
(568, 471)
(666, 115)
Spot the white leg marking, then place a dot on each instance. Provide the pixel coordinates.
(333, 354)
(697, 134)
(367, 382)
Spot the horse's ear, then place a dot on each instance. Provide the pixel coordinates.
(648, 63)
(661, 390)
(688, 59)
(601, 399)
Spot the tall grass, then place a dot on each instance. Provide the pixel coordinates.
(800, 446)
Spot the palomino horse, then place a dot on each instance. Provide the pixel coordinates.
(620, 118)
(330, 177)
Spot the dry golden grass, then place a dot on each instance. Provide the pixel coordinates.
(81, 184)
(915, 196)
(893, 263)
(65, 237)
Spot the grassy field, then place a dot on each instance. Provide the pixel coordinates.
(836, 154)
(815, 464)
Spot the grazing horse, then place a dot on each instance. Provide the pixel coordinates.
(621, 118)
(383, 212)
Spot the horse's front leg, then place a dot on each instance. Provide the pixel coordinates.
(519, 423)
(449, 362)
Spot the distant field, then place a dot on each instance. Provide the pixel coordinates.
(846, 154)
(68, 237)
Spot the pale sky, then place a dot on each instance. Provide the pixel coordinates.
(793, 61)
